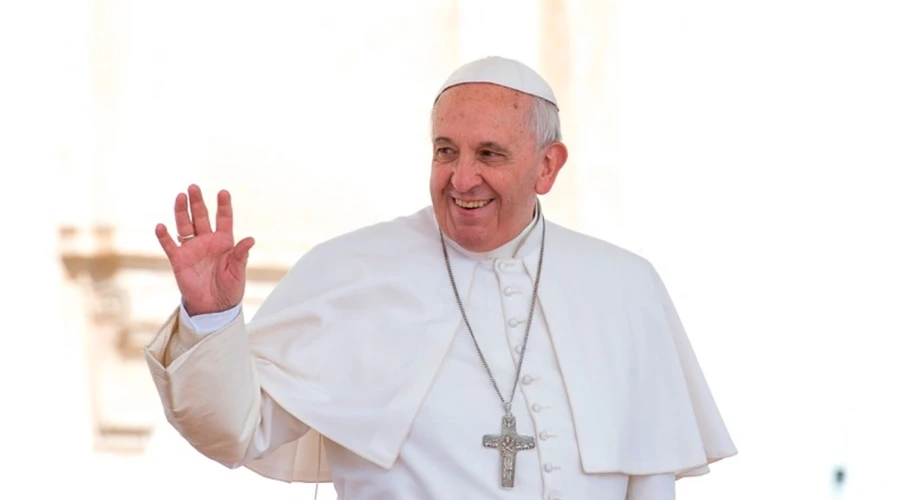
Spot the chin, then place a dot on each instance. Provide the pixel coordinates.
(469, 229)
(472, 239)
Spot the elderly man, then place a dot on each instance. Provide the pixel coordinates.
(470, 350)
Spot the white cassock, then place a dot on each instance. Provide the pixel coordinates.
(358, 369)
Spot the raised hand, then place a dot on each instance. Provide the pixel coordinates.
(209, 267)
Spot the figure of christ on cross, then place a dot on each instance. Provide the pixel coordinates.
(509, 442)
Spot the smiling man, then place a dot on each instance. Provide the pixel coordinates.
(472, 349)
(495, 149)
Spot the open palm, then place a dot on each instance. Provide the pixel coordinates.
(210, 269)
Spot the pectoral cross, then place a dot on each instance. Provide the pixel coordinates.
(509, 442)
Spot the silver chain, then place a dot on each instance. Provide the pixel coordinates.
(507, 405)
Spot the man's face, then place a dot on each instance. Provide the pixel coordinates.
(486, 169)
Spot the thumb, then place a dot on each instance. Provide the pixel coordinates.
(241, 251)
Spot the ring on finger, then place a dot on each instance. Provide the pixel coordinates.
(182, 239)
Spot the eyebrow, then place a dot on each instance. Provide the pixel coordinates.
(485, 144)
(493, 145)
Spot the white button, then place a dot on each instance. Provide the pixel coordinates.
(513, 322)
(548, 467)
(527, 379)
(536, 407)
(545, 435)
(519, 349)
(509, 291)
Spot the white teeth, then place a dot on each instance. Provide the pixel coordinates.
(471, 204)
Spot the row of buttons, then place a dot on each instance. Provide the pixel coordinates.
(543, 435)
(549, 467)
(509, 291)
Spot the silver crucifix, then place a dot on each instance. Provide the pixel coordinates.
(509, 443)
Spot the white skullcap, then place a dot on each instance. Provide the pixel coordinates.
(504, 72)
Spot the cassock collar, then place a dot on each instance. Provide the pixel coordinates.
(522, 245)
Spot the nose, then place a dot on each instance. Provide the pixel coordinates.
(465, 176)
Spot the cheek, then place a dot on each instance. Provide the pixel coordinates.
(510, 188)
(435, 175)
(440, 176)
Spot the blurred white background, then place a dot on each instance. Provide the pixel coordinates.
(749, 149)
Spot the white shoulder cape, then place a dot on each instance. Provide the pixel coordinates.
(351, 339)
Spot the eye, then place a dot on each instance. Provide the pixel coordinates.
(444, 154)
(489, 154)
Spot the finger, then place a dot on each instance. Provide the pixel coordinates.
(166, 241)
(183, 223)
(241, 251)
(224, 213)
(198, 210)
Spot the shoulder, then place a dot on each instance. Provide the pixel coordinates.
(401, 234)
(587, 259)
(387, 243)
(357, 260)
(588, 251)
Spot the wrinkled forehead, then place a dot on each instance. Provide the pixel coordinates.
(481, 110)
(482, 93)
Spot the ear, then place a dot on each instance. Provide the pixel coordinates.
(554, 159)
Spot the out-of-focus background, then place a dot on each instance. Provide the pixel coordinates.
(749, 149)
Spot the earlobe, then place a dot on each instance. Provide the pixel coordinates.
(554, 159)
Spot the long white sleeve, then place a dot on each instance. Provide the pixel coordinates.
(196, 329)
(276, 427)
(209, 389)
(652, 487)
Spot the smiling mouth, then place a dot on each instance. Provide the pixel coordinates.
(471, 205)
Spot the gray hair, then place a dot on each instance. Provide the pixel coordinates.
(543, 120)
